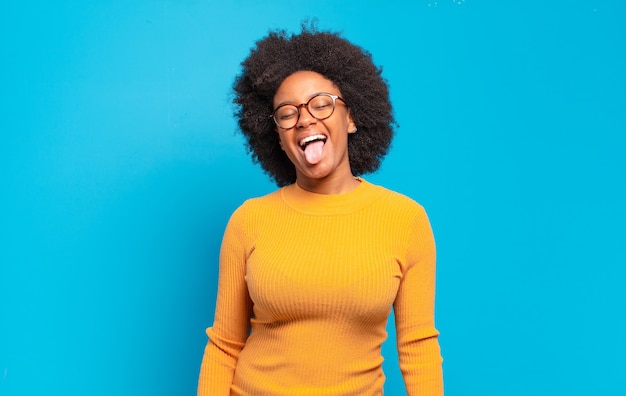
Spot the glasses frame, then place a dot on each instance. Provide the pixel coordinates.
(306, 105)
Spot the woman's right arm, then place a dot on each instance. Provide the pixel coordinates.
(233, 310)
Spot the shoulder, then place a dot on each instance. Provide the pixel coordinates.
(256, 205)
(246, 216)
(398, 201)
(263, 201)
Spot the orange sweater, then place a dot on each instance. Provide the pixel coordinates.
(306, 285)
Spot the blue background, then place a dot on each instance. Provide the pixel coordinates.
(120, 165)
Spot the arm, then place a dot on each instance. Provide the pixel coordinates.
(417, 342)
(231, 325)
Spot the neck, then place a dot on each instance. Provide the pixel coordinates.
(329, 185)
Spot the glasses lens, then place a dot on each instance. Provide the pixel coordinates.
(321, 106)
(286, 116)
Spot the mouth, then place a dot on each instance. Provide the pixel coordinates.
(310, 139)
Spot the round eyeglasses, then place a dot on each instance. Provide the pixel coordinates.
(320, 106)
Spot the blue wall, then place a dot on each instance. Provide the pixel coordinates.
(120, 166)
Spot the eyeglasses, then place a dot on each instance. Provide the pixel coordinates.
(321, 106)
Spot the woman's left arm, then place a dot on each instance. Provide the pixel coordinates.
(414, 308)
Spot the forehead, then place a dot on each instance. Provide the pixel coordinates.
(301, 85)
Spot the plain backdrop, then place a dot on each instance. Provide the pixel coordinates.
(120, 164)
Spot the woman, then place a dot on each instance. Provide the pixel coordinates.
(309, 273)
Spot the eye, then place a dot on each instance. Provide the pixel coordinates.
(321, 106)
(286, 116)
(286, 113)
(321, 102)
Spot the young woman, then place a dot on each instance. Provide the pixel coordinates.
(309, 273)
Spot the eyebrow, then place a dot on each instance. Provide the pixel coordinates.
(309, 98)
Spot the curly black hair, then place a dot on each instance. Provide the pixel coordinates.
(347, 65)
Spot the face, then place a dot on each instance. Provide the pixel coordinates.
(317, 148)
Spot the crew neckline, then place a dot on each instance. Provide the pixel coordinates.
(330, 204)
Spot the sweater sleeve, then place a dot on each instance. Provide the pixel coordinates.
(231, 325)
(416, 336)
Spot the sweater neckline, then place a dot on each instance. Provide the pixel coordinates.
(330, 204)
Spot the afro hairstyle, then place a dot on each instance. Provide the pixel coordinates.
(347, 65)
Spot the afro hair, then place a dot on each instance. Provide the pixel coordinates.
(347, 65)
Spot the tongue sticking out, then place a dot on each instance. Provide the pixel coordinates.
(313, 152)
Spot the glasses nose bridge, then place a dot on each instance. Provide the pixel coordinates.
(306, 107)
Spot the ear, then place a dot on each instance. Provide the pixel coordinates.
(351, 124)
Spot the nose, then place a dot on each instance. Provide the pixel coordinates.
(305, 118)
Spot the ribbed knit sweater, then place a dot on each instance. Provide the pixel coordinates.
(306, 285)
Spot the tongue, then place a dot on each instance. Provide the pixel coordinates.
(313, 152)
